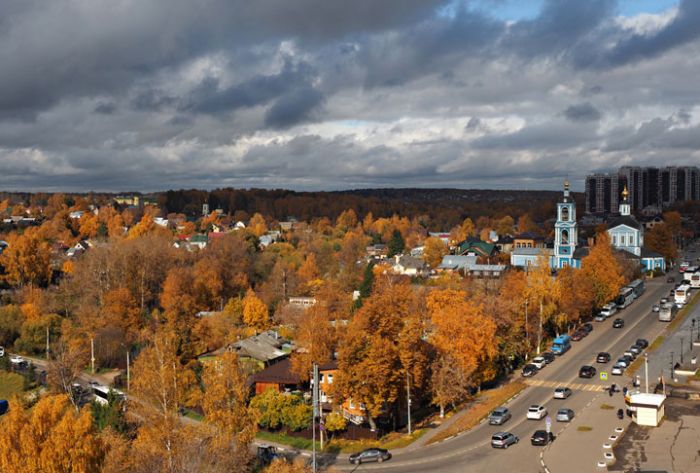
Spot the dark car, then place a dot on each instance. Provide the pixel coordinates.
(370, 455)
(642, 343)
(529, 370)
(587, 327)
(603, 357)
(670, 279)
(541, 437)
(618, 323)
(548, 357)
(586, 371)
(578, 335)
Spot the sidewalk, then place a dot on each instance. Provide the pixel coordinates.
(575, 450)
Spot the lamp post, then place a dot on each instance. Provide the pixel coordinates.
(681, 350)
(672, 368)
(527, 331)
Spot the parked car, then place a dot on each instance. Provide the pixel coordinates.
(586, 371)
(565, 415)
(370, 455)
(636, 349)
(655, 308)
(529, 370)
(622, 362)
(578, 335)
(503, 440)
(499, 416)
(641, 342)
(548, 357)
(617, 370)
(603, 357)
(664, 300)
(632, 355)
(562, 393)
(609, 309)
(618, 323)
(587, 327)
(17, 360)
(600, 317)
(628, 359)
(539, 362)
(536, 412)
(541, 437)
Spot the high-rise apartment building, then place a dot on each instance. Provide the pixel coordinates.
(647, 187)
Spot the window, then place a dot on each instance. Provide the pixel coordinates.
(614, 239)
(565, 237)
(330, 379)
(565, 214)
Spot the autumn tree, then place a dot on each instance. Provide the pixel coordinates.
(315, 340)
(225, 407)
(255, 313)
(433, 251)
(660, 239)
(281, 465)
(257, 225)
(576, 297)
(64, 369)
(50, 438)
(602, 270)
(27, 259)
(542, 294)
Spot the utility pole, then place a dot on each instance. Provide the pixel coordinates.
(408, 399)
(314, 414)
(128, 374)
(47, 342)
(527, 331)
(539, 329)
(92, 354)
(646, 372)
(672, 368)
(681, 350)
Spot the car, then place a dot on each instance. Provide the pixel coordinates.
(587, 327)
(618, 323)
(636, 350)
(565, 415)
(655, 308)
(617, 370)
(2, 351)
(603, 357)
(539, 362)
(536, 412)
(17, 360)
(600, 317)
(503, 440)
(578, 335)
(641, 342)
(562, 393)
(586, 371)
(541, 437)
(664, 300)
(622, 362)
(670, 279)
(499, 416)
(370, 455)
(529, 370)
(548, 357)
(630, 354)
(627, 358)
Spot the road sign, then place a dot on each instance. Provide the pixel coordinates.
(548, 424)
(603, 375)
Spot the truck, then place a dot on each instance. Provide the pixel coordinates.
(561, 344)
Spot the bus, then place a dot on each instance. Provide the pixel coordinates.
(695, 280)
(561, 344)
(638, 287)
(682, 294)
(101, 394)
(625, 298)
(667, 312)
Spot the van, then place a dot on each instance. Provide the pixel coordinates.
(609, 309)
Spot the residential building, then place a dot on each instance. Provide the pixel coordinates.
(529, 240)
(410, 266)
(602, 191)
(302, 302)
(278, 377)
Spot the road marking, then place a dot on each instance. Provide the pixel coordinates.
(574, 386)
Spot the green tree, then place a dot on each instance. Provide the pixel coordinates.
(366, 286)
(396, 243)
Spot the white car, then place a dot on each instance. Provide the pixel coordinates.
(562, 393)
(16, 360)
(2, 351)
(539, 362)
(536, 412)
(617, 370)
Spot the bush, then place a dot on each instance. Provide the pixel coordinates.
(281, 410)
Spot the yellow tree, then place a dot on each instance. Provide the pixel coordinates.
(89, 225)
(575, 297)
(27, 259)
(603, 271)
(257, 225)
(315, 339)
(433, 251)
(51, 438)
(255, 313)
(146, 225)
(542, 294)
(225, 407)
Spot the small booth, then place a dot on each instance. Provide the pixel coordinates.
(646, 408)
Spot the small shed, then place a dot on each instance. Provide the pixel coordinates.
(647, 408)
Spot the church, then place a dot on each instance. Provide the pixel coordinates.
(626, 234)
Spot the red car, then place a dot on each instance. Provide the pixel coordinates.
(578, 335)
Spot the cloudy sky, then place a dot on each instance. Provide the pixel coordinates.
(330, 94)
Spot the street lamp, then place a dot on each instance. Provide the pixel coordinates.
(672, 368)
(681, 350)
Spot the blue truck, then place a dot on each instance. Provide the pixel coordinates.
(4, 406)
(561, 344)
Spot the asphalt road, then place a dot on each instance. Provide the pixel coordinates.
(472, 452)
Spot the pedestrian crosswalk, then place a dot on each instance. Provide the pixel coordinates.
(574, 386)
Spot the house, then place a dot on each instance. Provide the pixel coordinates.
(417, 252)
(76, 214)
(445, 237)
(3, 245)
(467, 265)
(78, 249)
(652, 221)
(239, 225)
(504, 244)
(526, 257)
(353, 412)
(478, 247)
(302, 302)
(528, 240)
(264, 349)
(198, 241)
(378, 250)
(278, 377)
(269, 238)
(410, 266)
(160, 221)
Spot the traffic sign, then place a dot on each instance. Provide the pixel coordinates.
(548, 424)
(603, 375)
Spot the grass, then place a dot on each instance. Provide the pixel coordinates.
(294, 442)
(10, 384)
(584, 428)
(390, 441)
(482, 406)
(606, 407)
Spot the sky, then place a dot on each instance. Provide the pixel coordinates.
(147, 95)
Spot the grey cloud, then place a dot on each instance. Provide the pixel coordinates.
(583, 112)
(546, 136)
(105, 108)
(293, 107)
